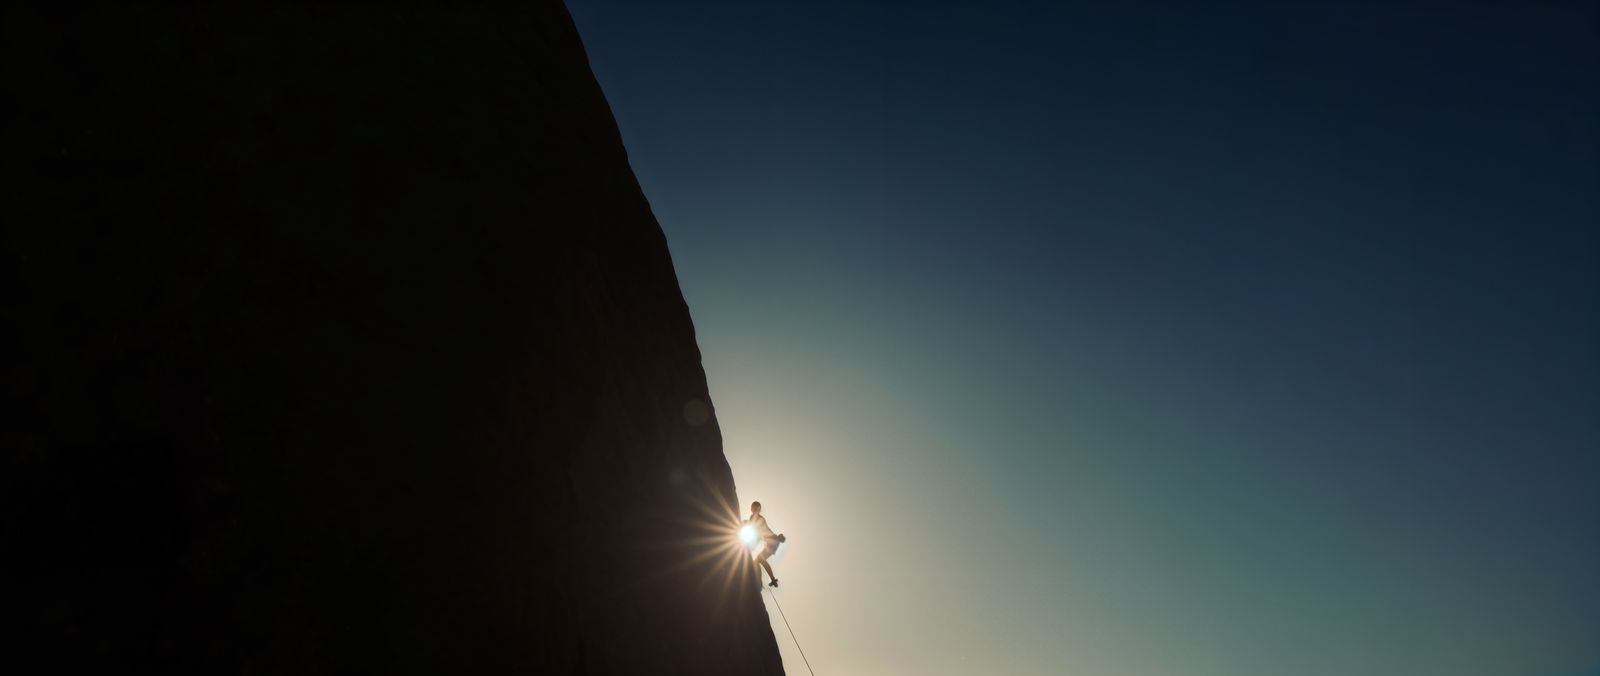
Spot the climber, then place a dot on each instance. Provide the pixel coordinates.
(755, 528)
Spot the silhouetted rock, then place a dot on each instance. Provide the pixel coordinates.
(345, 342)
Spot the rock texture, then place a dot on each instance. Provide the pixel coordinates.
(345, 342)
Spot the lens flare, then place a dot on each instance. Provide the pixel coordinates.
(748, 535)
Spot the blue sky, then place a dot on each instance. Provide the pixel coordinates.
(1144, 338)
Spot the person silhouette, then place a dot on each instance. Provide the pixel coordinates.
(769, 541)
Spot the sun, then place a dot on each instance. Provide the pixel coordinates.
(713, 544)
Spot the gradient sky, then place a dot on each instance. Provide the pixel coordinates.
(1127, 339)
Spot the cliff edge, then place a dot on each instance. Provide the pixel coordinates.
(346, 342)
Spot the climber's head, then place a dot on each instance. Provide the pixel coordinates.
(755, 508)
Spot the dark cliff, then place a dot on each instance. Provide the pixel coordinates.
(345, 342)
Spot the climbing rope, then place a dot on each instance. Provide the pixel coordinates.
(791, 631)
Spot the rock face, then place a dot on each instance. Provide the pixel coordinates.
(345, 342)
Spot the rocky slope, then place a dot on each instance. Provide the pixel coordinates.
(345, 342)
